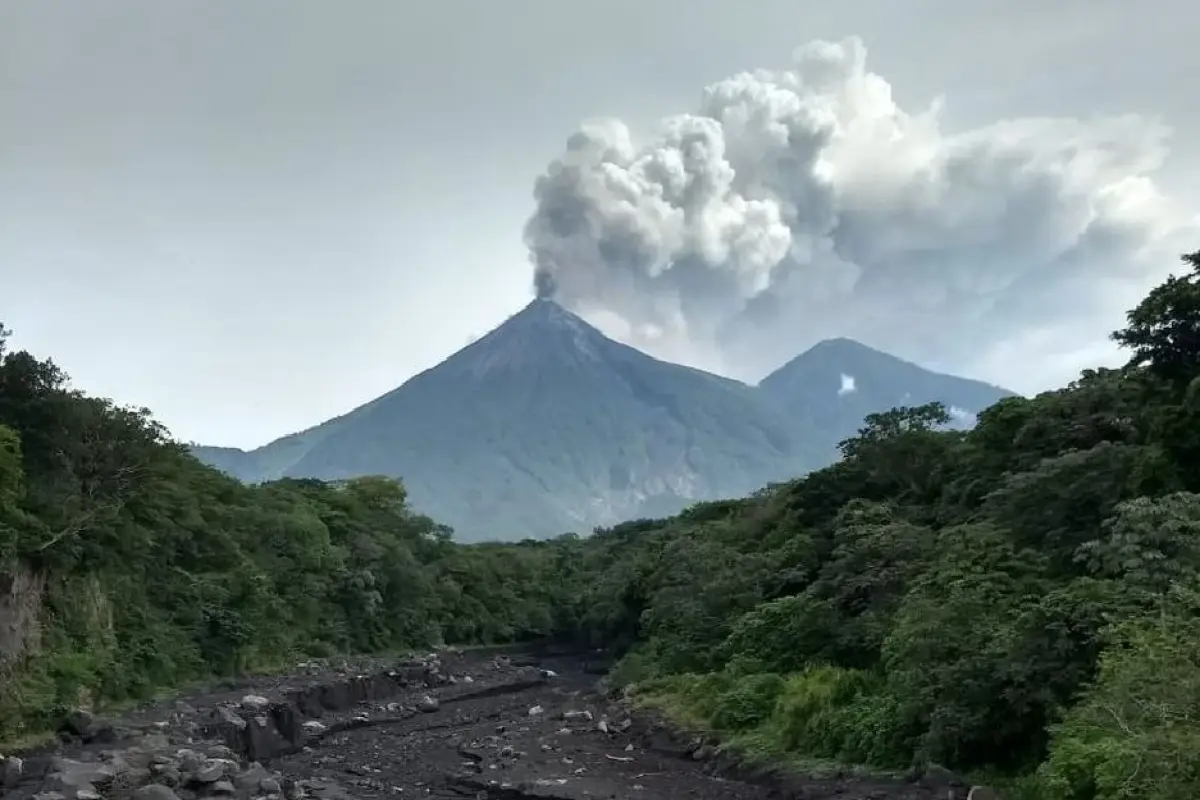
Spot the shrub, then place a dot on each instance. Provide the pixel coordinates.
(828, 712)
(748, 702)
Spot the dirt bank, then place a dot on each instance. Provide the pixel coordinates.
(476, 725)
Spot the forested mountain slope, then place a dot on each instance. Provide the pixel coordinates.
(1022, 597)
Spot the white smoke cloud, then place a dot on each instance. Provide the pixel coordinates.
(803, 204)
(847, 385)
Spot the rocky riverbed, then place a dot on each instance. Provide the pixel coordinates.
(447, 725)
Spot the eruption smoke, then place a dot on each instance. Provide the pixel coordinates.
(803, 204)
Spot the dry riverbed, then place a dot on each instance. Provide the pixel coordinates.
(480, 724)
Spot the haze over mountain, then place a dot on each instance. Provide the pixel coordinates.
(545, 425)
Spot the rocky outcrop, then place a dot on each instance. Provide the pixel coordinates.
(21, 593)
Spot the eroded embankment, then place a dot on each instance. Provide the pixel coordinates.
(479, 724)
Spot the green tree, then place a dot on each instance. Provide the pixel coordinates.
(1134, 734)
(1163, 331)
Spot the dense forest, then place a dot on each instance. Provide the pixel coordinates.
(1021, 598)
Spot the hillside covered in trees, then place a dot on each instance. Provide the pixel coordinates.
(1022, 598)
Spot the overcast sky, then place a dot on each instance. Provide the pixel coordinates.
(253, 216)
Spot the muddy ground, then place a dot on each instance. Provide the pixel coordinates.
(481, 724)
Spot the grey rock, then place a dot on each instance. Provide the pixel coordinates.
(79, 721)
(228, 716)
(168, 774)
(214, 770)
(71, 776)
(189, 760)
(11, 770)
(428, 704)
(84, 724)
(155, 791)
(220, 751)
(255, 703)
(251, 778)
(982, 793)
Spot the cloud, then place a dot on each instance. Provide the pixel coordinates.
(847, 385)
(803, 204)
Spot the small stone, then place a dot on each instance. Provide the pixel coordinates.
(220, 751)
(536, 711)
(428, 704)
(256, 703)
(155, 791)
(223, 787)
(214, 770)
(313, 727)
(270, 786)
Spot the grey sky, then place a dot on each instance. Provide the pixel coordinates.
(253, 216)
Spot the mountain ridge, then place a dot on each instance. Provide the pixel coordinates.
(865, 380)
(545, 425)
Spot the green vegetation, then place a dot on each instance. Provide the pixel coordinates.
(127, 566)
(1022, 598)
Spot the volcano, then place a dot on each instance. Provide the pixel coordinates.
(545, 426)
(827, 390)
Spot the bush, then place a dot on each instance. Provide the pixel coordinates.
(844, 714)
(748, 703)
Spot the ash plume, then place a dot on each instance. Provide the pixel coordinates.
(801, 204)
